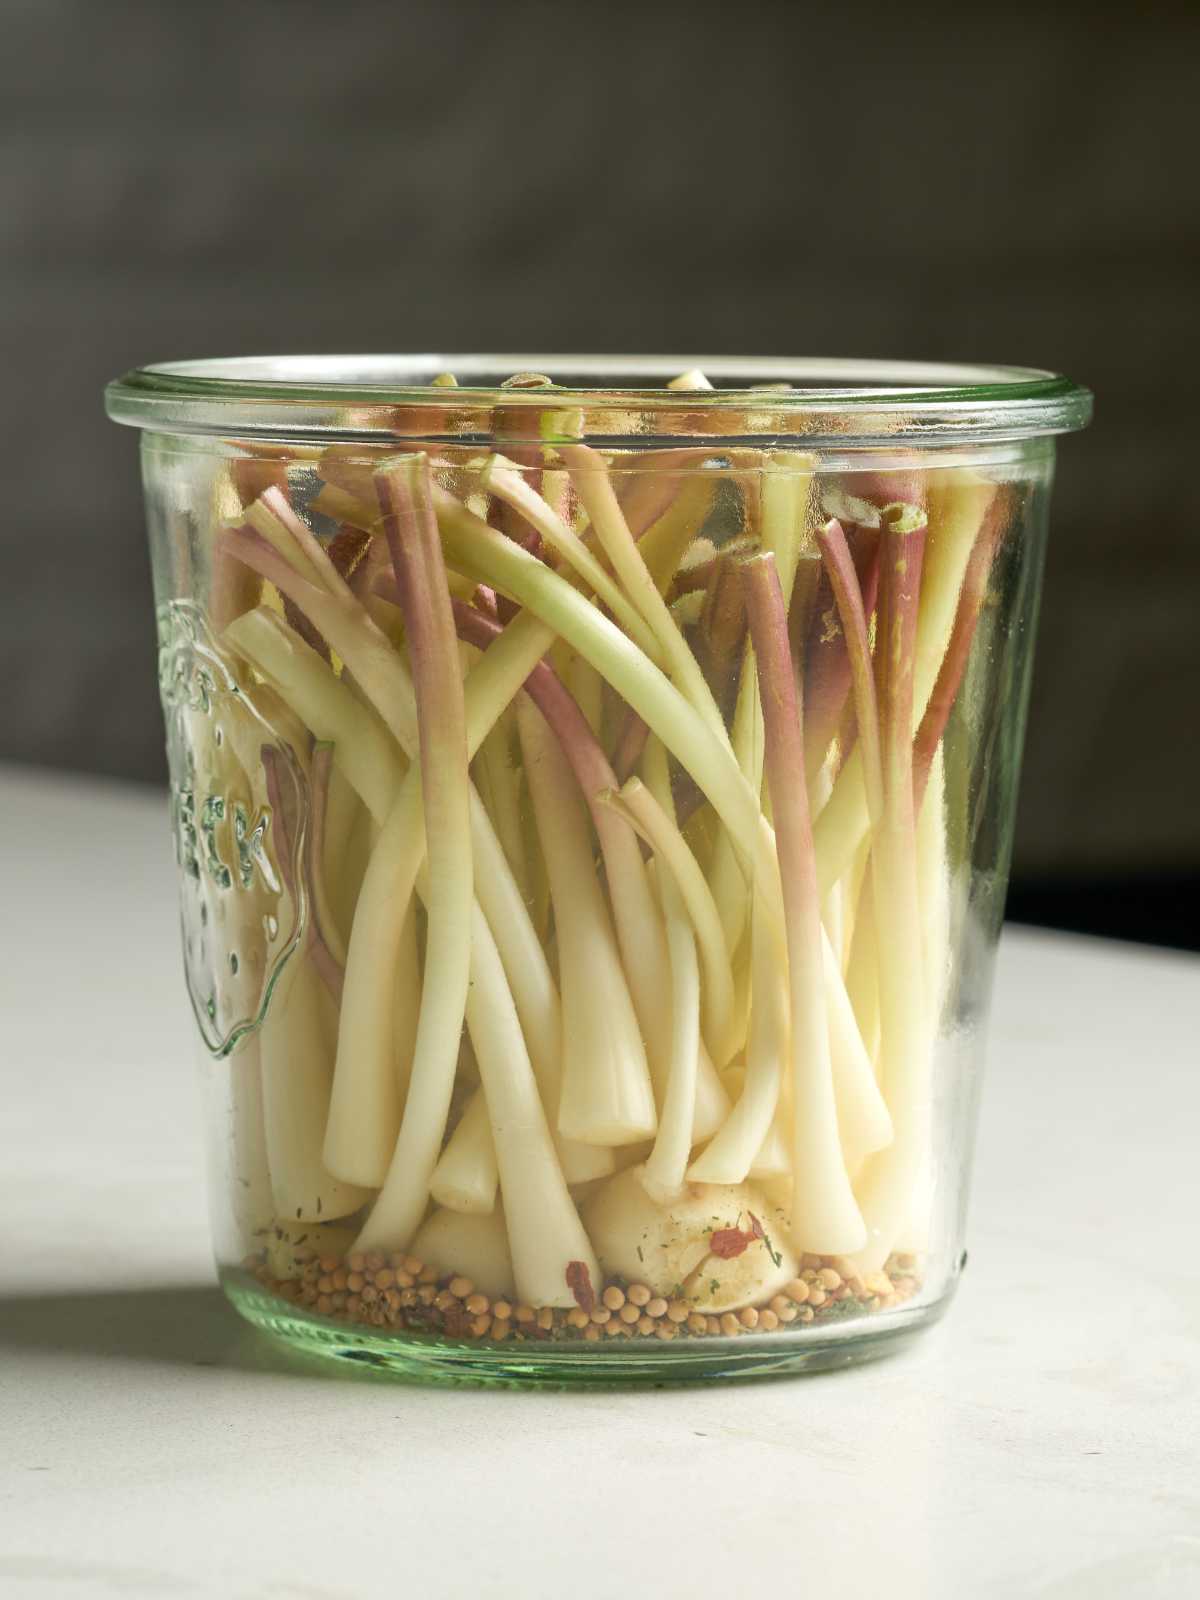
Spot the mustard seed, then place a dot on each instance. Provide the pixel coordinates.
(629, 1313)
(524, 1313)
(665, 1330)
(385, 1278)
(697, 1322)
(578, 1318)
(829, 1278)
(637, 1294)
(591, 1333)
(477, 1304)
(600, 1315)
(479, 1326)
(729, 1324)
(502, 1309)
(613, 1297)
(677, 1311)
(768, 1320)
(646, 1325)
(656, 1307)
(748, 1317)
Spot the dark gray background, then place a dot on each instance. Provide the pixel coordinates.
(210, 179)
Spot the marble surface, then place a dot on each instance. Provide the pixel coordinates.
(1043, 1441)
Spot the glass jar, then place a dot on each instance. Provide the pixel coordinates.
(593, 793)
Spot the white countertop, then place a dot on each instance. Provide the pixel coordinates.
(1044, 1440)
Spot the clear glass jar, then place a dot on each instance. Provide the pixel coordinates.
(593, 797)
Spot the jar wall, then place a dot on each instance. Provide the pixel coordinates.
(690, 1086)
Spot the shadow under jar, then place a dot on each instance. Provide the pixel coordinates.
(593, 797)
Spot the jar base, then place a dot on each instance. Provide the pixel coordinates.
(494, 1364)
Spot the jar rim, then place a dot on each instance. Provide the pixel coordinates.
(602, 398)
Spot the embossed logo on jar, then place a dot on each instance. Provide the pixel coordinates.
(239, 921)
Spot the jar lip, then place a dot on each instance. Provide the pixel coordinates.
(601, 398)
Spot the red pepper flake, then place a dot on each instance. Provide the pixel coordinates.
(730, 1242)
(579, 1282)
